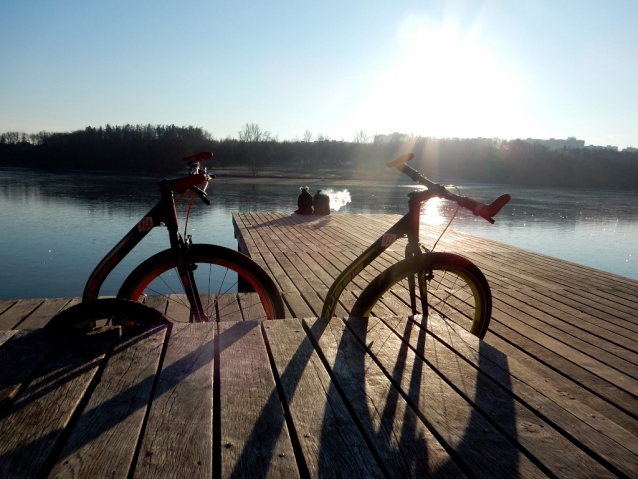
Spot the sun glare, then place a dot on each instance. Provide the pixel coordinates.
(431, 213)
(444, 85)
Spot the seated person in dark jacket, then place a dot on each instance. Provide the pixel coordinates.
(321, 203)
(304, 202)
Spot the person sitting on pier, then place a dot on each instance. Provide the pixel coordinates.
(321, 203)
(304, 202)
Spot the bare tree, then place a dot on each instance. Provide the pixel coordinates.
(322, 137)
(251, 135)
(252, 132)
(307, 136)
(11, 137)
(361, 137)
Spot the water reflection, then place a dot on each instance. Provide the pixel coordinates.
(431, 212)
(57, 226)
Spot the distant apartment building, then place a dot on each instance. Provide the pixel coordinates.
(554, 144)
(630, 149)
(393, 138)
(599, 147)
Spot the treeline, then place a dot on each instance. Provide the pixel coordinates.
(156, 149)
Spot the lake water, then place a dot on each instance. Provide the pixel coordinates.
(55, 227)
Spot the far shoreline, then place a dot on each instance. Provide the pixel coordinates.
(387, 178)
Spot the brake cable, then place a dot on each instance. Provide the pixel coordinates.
(450, 222)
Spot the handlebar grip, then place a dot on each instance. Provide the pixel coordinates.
(485, 211)
(400, 160)
(400, 165)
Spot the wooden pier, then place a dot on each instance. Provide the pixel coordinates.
(551, 392)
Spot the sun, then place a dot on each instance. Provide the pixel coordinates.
(444, 84)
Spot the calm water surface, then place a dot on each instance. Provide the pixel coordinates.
(55, 227)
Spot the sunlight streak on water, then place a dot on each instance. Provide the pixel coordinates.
(431, 213)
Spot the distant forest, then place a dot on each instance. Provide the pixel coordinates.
(156, 150)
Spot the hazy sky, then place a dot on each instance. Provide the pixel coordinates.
(508, 69)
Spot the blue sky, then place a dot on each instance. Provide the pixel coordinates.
(507, 69)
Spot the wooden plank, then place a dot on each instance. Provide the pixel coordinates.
(580, 339)
(241, 241)
(512, 273)
(297, 305)
(208, 303)
(570, 381)
(404, 444)
(569, 323)
(457, 424)
(519, 346)
(585, 427)
(20, 358)
(295, 276)
(157, 301)
(178, 308)
(104, 440)
(178, 435)
(330, 441)
(518, 417)
(251, 307)
(278, 274)
(33, 425)
(6, 336)
(228, 308)
(254, 437)
(41, 316)
(6, 304)
(588, 317)
(585, 361)
(14, 315)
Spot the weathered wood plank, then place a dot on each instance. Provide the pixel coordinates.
(14, 315)
(251, 307)
(20, 358)
(104, 439)
(570, 375)
(228, 308)
(297, 305)
(278, 274)
(331, 443)
(6, 304)
(44, 313)
(157, 301)
(178, 308)
(574, 326)
(568, 323)
(178, 435)
(254, 436)
(514, 416)
(582, 340)
(32, 427)
(401, 440)
(584, 426)
(6, 336)
(585, 361)
(443, 409)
